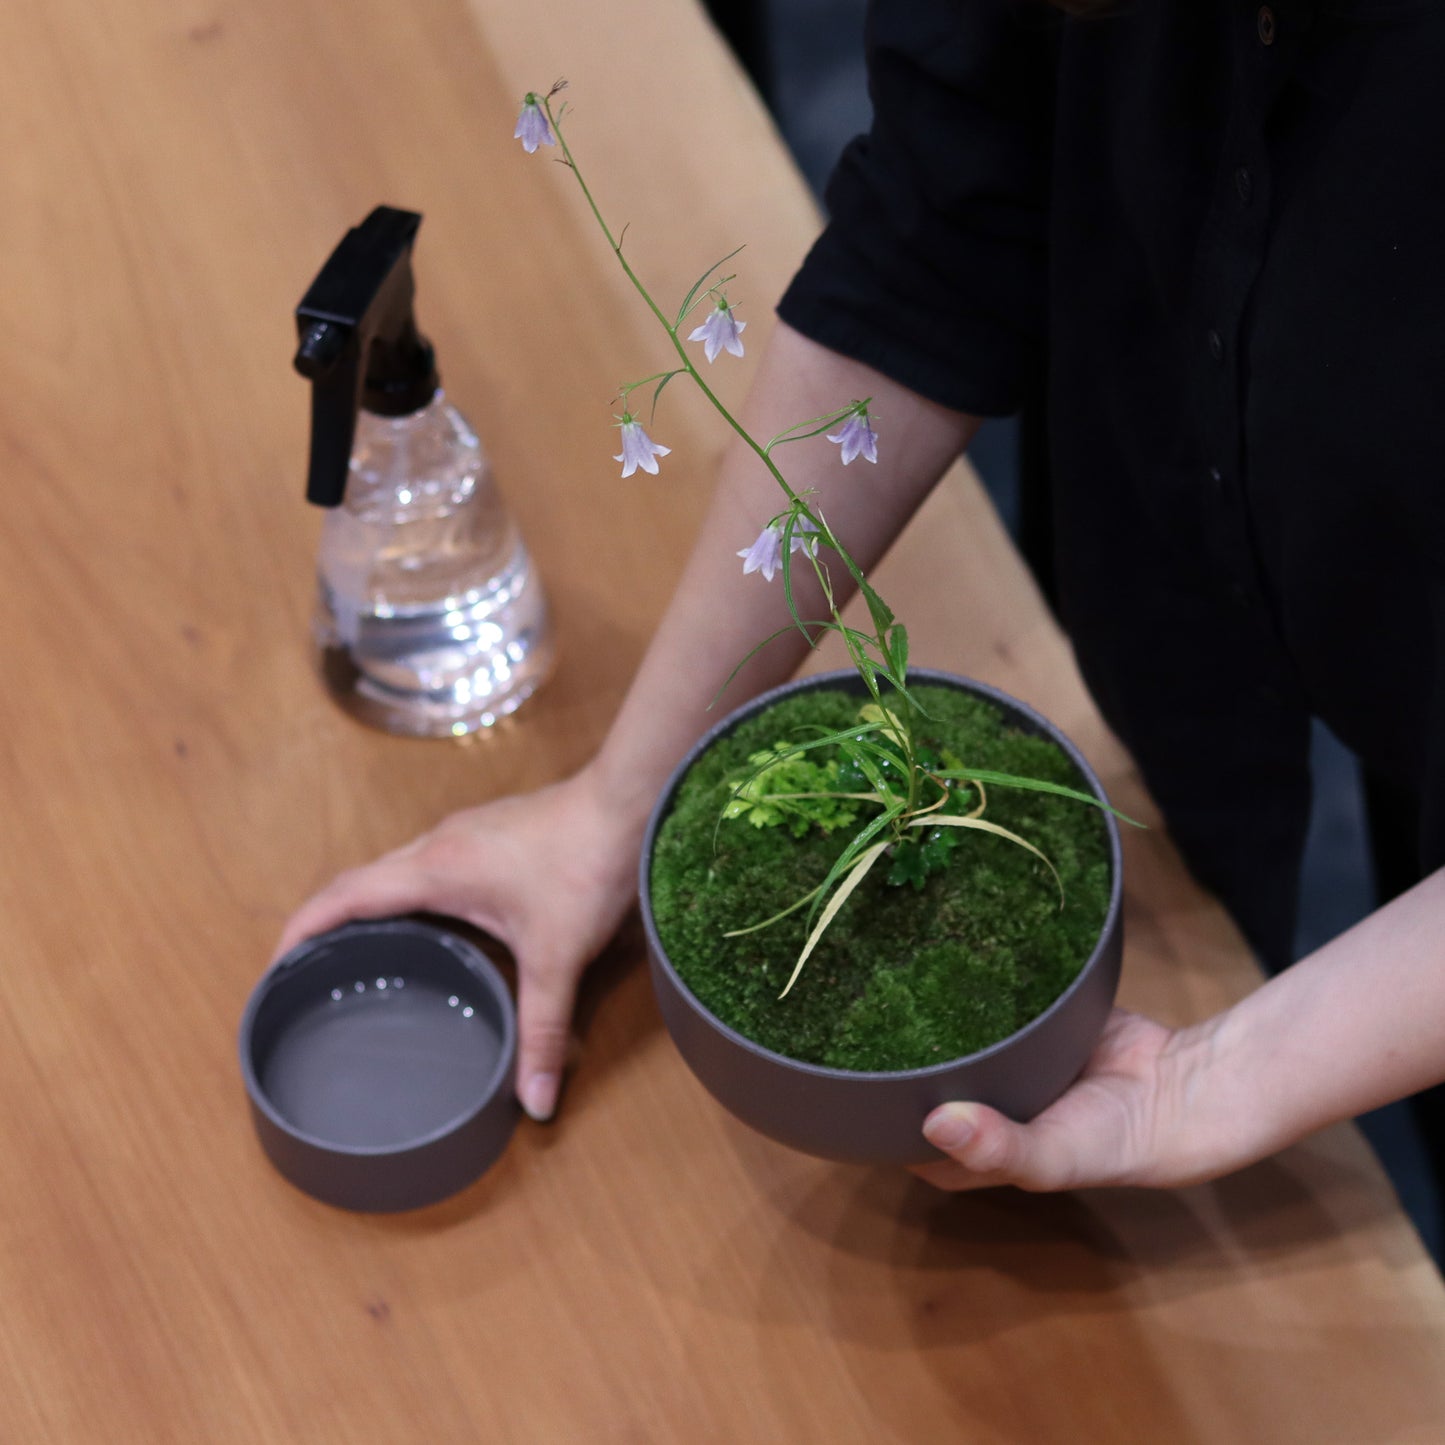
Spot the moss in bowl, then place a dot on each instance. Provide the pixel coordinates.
(981, 966)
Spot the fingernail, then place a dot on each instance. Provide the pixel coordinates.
(950, 1127)
(539, 1096)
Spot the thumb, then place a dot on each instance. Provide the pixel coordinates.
(992, 1149)
(545, 996)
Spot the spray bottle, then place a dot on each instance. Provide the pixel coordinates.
(430, 619)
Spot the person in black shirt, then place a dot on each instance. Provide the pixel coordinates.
(1219, 226)
(1213, 228)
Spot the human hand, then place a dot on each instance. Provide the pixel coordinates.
(1123, 1121)
(550, 874)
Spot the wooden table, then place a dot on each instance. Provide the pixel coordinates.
(174, 782)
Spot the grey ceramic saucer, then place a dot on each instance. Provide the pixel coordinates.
(378, 1059)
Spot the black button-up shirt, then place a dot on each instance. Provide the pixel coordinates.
(1223, 224)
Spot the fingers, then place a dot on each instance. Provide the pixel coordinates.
(403, 882)
(378, 890)
(986, 1149)
(486, 867)
(545, 997)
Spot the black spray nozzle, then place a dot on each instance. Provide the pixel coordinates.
(359, 345)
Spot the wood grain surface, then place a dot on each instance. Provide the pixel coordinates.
(174, 782)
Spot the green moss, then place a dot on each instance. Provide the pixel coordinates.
(903, 978)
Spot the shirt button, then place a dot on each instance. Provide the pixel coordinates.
(1244, 185)
(1216, 346)
(1216, 479)
(1238, 593)
(1264, 24)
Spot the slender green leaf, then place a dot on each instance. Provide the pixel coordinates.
(863, 639)
(867, 760)
(697, 285)
(856, 844)
(870, 755)
(777, 917)
(951, 820)
(819, 425)
(772, 637)
(788, 592)
(845, 889)
(666, 378)
(794, 435)
(898, 655)
(905, 694)
(840, 735)
(1036, 785)
(878, 609)
(856, 643)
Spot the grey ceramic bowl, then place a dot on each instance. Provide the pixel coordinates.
(378, 1059)
(877, 1118)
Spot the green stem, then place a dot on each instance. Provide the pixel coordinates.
(824, 535)
(671, 330)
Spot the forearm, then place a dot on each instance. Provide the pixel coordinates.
(717, 614)
(1358, 1023)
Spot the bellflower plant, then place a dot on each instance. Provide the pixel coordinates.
(905, 799)
(722, 331)
(638, 449)
(856, 438)
(532, 128)
(766, 554)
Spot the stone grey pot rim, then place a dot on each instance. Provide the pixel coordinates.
(475, 962)
(847, 679)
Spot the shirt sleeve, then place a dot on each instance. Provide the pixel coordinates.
(933, 266)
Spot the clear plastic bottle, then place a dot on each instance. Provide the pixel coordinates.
(430, 619)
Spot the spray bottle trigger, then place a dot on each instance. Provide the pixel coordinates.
(322, 345)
